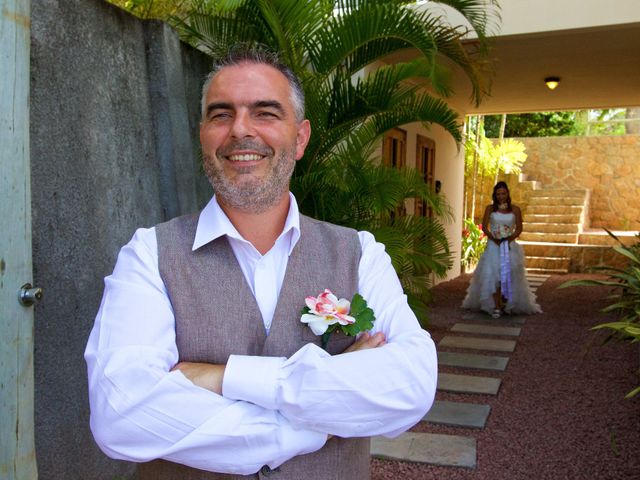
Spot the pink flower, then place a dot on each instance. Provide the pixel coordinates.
(325, 310)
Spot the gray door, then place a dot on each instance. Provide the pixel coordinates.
(17, 453)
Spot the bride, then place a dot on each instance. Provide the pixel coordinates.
(499, 284)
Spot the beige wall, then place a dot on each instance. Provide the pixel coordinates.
(533, 16)
(449, 169)
(607, 165)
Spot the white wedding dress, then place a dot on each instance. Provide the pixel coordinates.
(486, 277)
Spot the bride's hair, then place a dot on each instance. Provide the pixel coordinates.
(495, 200)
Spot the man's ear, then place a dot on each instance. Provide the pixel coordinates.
(302, 138)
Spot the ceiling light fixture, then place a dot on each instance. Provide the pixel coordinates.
(552, 82)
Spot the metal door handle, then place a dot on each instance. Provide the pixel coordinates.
(29, 294)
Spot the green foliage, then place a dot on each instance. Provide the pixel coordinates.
(333, 47)
(625, 284)
(494, 156)
(540, 124)
(337, 49)
(157, 9)
(474, 241)
(362, 313)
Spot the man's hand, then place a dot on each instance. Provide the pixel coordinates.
(205, 375)
(367, 341)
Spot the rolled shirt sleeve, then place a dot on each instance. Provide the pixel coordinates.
(141, 410)
(380, 391)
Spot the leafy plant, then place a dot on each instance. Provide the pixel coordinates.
(339, 49)
(539, 124)
(625, 283)
(474, 241)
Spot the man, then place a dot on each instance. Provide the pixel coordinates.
(198, 361)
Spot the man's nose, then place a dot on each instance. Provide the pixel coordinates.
(242, 125)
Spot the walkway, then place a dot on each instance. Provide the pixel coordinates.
(509, 383)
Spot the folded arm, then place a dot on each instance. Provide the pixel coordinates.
(141, 410)
(376, 391)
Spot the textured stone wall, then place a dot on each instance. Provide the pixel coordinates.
(607, 165)
(114, 115)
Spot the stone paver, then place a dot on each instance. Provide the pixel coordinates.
(436, 449)
(472, 360)
(475, 343)
(486, 329)
(468, 384)
(458, 414)
(537, 276)
(486, 318)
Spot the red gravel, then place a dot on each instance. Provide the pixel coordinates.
(560, 412)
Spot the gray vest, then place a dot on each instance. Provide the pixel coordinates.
(209, 280)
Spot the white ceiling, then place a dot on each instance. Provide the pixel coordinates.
(598, 68)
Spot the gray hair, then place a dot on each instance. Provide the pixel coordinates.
(243, 53)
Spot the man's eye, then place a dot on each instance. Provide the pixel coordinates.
(266, 114)
(219, 115)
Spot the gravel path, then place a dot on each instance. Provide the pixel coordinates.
(560, 412)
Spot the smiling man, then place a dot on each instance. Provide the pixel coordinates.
(199, 365)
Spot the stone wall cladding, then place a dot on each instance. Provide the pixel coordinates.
(609, 166)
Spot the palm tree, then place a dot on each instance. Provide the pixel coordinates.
(334, 47)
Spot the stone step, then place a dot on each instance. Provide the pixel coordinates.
(457, 414)
(535, 280)
(451, 382)
(547, 200)
(475, 343)
(432, 448)
(538, 277)
(537, 227)
(553, 218)
(485, 329)
(535, 209)
(485, 317)
(549, 237)
(603, 238)
(472, 360)
(548, 271)
(548, 262)
(559, 192)
(545, 249)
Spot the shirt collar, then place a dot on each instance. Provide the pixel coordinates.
(214, 223)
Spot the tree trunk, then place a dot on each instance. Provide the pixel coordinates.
(475, 167)
(634, 126)
(503, 124)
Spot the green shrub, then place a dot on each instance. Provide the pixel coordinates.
(474, 241)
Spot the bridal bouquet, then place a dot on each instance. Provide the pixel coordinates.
(326, 313)
(501, 231)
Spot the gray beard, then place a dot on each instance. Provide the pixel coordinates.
(252, 195)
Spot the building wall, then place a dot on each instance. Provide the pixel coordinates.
(449, 170)
(114, 111)
(536, 16)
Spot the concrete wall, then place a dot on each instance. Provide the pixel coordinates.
(114, 113)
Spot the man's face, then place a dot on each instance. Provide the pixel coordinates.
(250, 137)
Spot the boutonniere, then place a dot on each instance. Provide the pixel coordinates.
(326, 313)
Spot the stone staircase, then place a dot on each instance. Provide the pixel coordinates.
(554, 219)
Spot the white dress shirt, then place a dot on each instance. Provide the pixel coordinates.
(272, 408)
